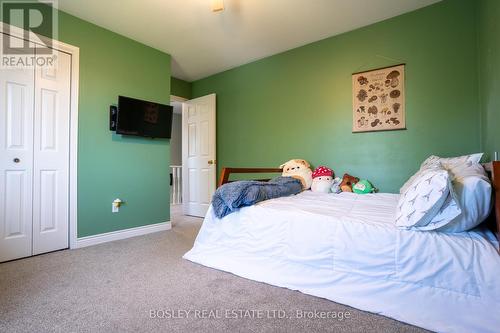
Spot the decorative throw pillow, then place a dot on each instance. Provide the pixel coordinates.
(410, 181)
(423, 199)
(429, 161)
(447, 213)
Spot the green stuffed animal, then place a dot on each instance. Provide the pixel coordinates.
(363, 187)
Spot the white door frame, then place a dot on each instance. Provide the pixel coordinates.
(73, 147)
(179, 99)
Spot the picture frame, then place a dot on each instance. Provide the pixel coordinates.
(378, 99)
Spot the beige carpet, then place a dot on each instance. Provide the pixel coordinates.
(114, 287)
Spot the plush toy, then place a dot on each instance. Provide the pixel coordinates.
(300, 170)
(336, 185)
(347, 182)
(322, 179)
(363, 187)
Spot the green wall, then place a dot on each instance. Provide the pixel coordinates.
(489, 73)
(180, 88)
(110, 166)
(297, 104)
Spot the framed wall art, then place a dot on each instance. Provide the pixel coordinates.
(379, 100)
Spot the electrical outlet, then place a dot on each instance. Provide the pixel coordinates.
(115, 206)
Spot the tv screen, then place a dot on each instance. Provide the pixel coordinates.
(141, 118)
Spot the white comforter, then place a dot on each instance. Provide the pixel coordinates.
(346, 248)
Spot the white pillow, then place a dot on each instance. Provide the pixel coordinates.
(456, 165)
(474, 170)
(423, 198)
(474, 196)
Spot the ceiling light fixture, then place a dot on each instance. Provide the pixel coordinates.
(217, 5)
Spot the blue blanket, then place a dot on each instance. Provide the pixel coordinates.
(231, 196)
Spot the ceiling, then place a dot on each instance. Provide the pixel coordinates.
(203, 43)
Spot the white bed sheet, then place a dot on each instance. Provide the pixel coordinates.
(346, 248)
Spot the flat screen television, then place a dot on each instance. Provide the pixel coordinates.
(142, 118)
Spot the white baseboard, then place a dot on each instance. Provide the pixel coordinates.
(122, 234)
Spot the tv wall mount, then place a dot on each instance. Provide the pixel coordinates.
(113, 113)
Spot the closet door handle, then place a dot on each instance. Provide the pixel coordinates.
(16, 160)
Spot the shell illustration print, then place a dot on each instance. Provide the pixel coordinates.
(379, 100)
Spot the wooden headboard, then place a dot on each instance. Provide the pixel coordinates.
(493, 169)
(226, 173)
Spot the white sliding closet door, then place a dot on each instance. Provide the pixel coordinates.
(34, 159)
(16, 162)
(51, 156)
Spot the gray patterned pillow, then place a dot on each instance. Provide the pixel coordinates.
(455, 165)
(423, 198)
(446, 214)
(410, 181)
(429, 162)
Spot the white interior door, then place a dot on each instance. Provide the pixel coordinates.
(34, 159)
(198, 154)
(51, 156)
(16, 162)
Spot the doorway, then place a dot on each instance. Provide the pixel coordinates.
(176, 158)
(196, 172)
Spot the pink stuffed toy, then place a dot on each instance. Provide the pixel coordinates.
(322, 179)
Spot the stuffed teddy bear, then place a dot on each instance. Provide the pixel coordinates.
(298, 169)
(347, 182)
(322, 179)
(363, 187)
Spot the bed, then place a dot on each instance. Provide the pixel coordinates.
(346, 248)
